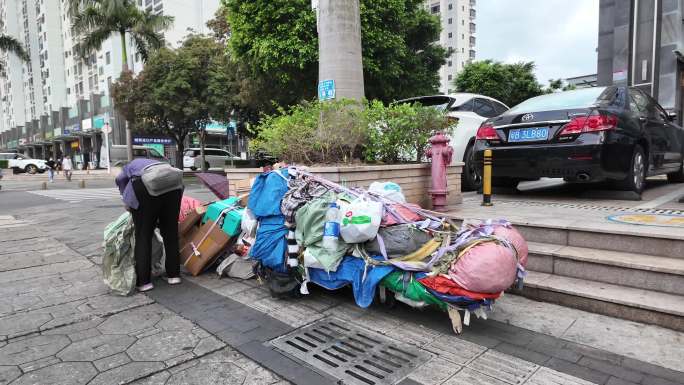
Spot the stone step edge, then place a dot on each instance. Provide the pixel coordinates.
(584, 254)
(630, 297)
(455, 216)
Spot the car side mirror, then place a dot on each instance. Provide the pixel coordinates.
(672, 116)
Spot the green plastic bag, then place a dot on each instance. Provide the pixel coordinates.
(118, 264)
(411, 289)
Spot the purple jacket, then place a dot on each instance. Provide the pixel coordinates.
(124, 180)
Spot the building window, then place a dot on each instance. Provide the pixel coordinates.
(68, 91)
(108, 58)
(449, 63)
(450, 77)
(137, 57)
(462, 37)
(451, 6)
(462, 22)
(462, 50)
(451, 21)
(451, 35)
(434, 9)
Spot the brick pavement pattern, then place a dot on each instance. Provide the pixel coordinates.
(58, 324)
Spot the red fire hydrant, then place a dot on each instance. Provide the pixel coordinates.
(440, 153)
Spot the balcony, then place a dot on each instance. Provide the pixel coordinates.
(472, 42)
(472, 3)
(473, 29)
(473, 14)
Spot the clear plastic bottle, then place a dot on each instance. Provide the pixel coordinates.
(331, 229)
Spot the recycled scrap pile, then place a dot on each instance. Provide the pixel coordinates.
(387, 249)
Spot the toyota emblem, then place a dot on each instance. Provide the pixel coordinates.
(527, 117)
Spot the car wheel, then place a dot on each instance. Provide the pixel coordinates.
(206, 166)
(677, 177)
(31, 169)
(636, 175)
(193, 168)
(471, 179)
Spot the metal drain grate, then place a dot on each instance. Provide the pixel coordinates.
(351, 354)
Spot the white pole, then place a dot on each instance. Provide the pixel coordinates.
(106, 130)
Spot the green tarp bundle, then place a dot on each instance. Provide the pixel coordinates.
(310, 220)
(118, 264)
(410, 288)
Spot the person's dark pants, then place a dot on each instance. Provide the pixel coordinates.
(159, 211)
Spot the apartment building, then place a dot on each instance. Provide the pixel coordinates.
(57, 77)
(457, 18)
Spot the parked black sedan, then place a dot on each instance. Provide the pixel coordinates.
(619, 134)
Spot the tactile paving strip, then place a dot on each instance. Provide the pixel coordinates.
(353, 355)
(581, 206)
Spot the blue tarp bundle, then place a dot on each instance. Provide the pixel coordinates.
(351, 271)
(270, 246)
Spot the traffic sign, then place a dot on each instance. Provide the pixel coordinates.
(326, 90)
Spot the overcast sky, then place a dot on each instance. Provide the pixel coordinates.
(560, 36)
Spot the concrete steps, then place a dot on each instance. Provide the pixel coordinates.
(634, 304)
(635, 273)
(639, 271)
(657, 243)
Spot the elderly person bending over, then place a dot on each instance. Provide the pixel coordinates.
(152, 192)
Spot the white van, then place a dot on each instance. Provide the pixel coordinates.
(119, 154)
(214, 158)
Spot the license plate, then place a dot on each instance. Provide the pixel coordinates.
(531, 134)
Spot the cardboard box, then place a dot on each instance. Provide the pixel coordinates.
(204, 247)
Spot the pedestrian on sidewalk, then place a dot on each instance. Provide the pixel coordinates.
(67, 167)
(148, 211)
(52, 166)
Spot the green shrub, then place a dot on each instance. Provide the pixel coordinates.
(342, 131)
(4, 163)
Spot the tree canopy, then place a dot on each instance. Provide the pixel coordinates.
(509, 83)
(277, 43)
(97, 20)
(179, 91)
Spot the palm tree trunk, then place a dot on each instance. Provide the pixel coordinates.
(124, 68)
(339, 47)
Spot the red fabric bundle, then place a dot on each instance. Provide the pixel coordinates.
(445, 285)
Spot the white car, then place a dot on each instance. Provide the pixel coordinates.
(22, 163)
(470, 110)
(214, 158)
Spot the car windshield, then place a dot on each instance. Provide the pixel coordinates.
(559, 101)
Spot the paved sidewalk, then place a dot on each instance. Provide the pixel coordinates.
(58, 324)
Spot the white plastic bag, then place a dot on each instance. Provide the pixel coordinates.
(389, 190)
(360, 220)
(248, 223)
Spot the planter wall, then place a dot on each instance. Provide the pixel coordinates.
(414, 179)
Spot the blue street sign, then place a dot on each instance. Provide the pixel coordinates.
(326, 90)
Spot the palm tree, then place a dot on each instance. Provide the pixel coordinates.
(97, 20)
(12, 45)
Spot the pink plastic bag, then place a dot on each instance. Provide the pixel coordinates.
(516, 239)
(405, 215)
(486, 268)
(187, 204)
